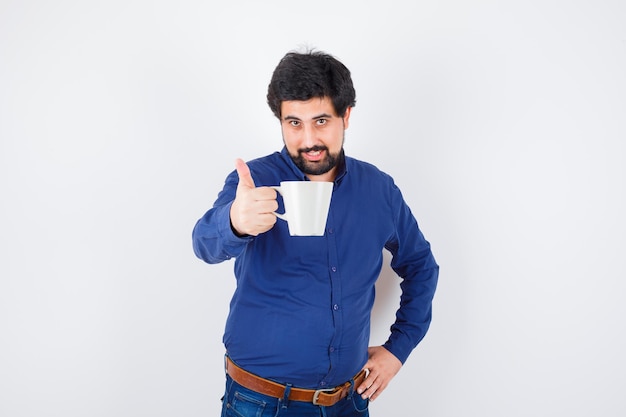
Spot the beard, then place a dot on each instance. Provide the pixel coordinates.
(329, 162)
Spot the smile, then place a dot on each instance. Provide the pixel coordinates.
(314, 155)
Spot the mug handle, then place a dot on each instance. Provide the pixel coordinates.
(282, 216)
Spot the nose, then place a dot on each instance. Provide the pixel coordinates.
(309, 137)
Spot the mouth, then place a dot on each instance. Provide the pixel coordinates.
(316, 160)
(313, 154)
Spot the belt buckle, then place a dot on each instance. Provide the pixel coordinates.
(317, 393)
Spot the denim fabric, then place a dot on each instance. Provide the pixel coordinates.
(242, 402)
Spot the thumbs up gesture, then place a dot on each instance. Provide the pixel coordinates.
(252, 211)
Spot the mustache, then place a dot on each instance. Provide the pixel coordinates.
(313, 149)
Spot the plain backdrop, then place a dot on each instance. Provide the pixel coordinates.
(503, 123)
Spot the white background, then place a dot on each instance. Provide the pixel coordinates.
(502, 122)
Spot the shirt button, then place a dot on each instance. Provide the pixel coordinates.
(334, 269)
(332, 349)
(323, 383)
(336, 307)
(331, 230)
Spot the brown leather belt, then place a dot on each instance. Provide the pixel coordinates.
(323, 397)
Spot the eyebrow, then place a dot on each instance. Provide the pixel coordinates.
(321, 116)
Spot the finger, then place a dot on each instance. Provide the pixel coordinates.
(367, 382)
(263, 223)
(266, 206)
(375, 394)
(374, 390)
(245, 178)
(369, 393)
(264, 193)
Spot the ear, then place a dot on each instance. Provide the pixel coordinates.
(346, 118)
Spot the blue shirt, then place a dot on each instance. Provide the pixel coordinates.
(300, 313)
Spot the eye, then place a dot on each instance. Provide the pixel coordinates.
(321, 122)
(294, 123)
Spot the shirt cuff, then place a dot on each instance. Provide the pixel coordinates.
(232, 242)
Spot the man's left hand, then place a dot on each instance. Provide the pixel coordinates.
(382, 366)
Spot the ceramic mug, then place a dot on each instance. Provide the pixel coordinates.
(306, 206)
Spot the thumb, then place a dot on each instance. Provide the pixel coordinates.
(245, 178)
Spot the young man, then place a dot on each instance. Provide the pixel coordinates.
(298, 329)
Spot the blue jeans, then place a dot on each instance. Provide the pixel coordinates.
(242, 402)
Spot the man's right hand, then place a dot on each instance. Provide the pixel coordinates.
(252, 211)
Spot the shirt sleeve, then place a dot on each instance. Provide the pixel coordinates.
(213, 238)
(414, 262)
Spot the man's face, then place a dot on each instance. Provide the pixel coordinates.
(313, 135)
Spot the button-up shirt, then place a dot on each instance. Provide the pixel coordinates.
(300, 313)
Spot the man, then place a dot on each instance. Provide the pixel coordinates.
(298, 329)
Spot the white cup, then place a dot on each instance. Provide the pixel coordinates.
(306, 206)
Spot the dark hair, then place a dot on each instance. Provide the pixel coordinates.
(302, 76)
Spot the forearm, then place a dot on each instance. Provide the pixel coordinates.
(213, 238)
(414, 315)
